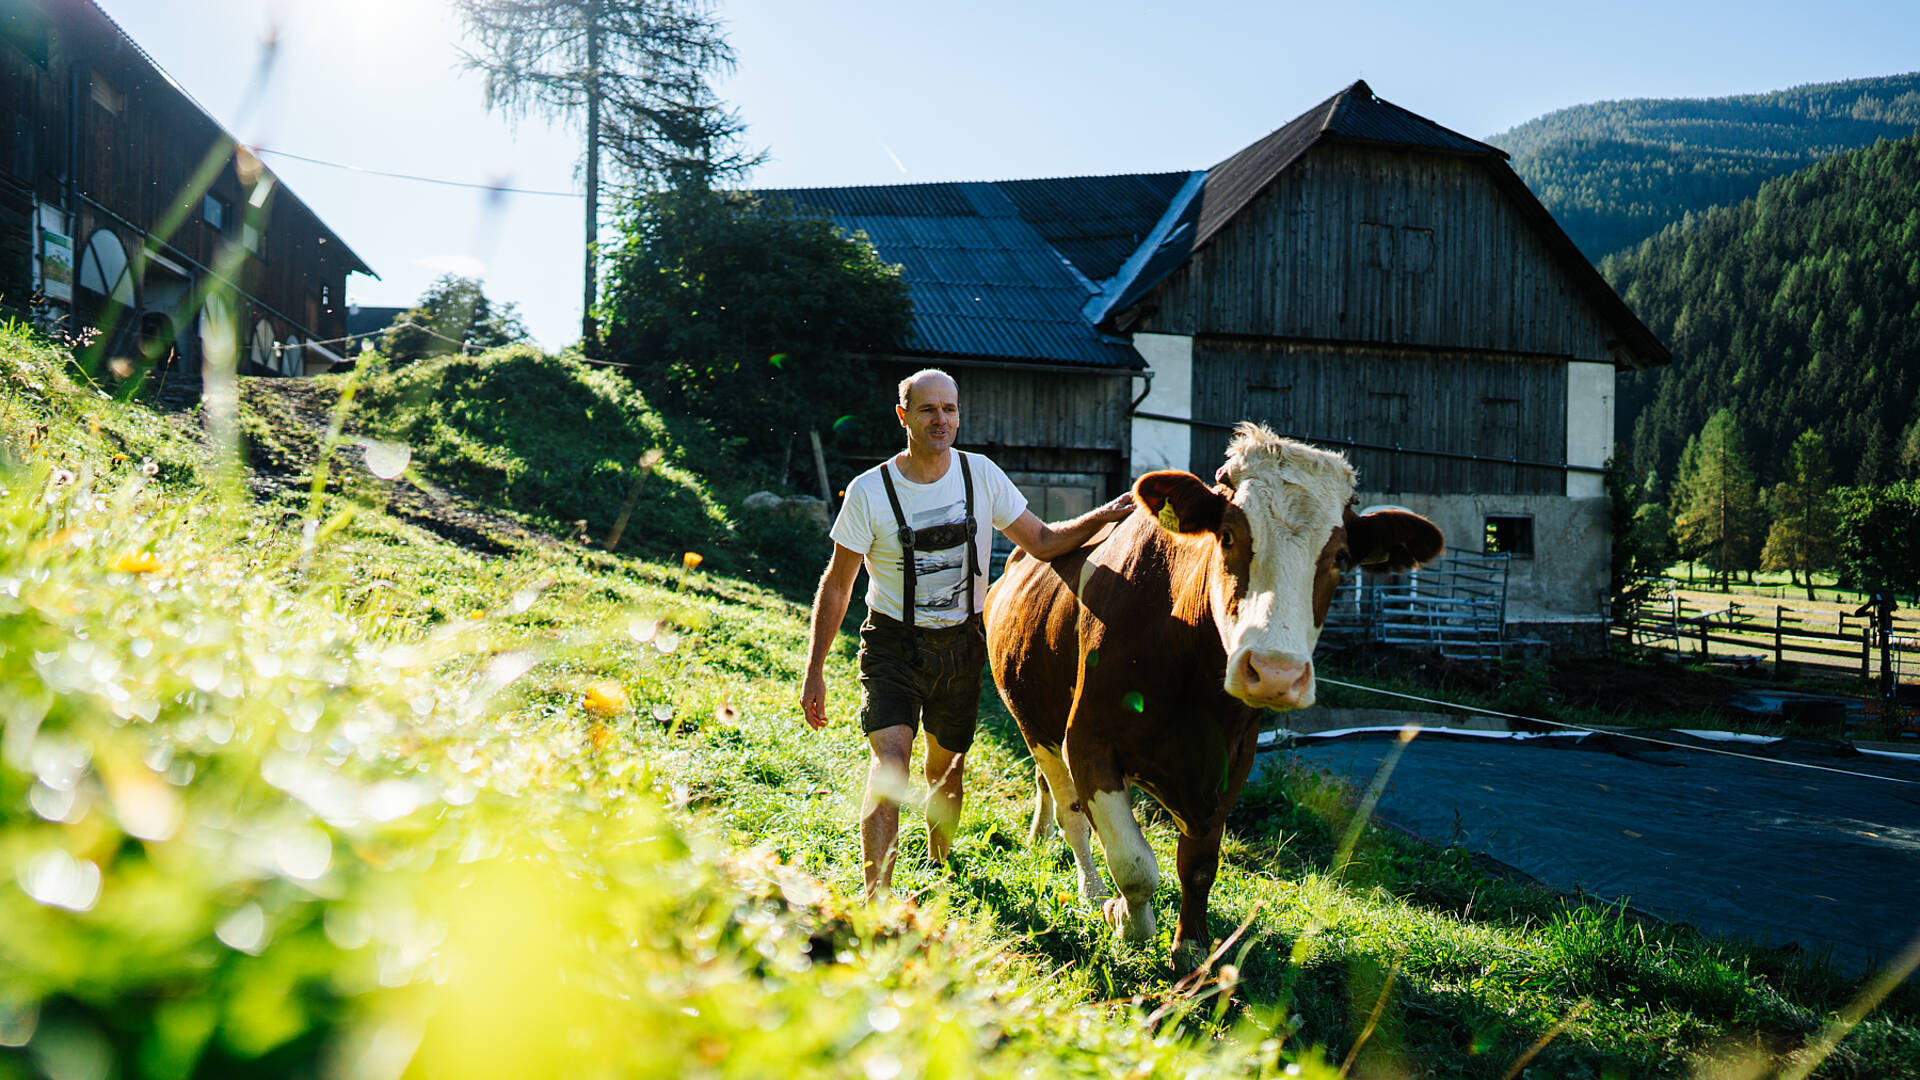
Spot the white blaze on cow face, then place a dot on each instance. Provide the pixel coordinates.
(1292, 497)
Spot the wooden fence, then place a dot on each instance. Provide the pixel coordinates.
(1776, 634)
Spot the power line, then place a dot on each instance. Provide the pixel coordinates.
(502, 189)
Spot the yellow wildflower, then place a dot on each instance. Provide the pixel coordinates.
(605, 699)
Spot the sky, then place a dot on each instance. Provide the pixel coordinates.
(901, 91)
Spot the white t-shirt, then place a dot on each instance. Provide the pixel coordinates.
(866, 524)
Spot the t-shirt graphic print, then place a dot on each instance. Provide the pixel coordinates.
(940, 588)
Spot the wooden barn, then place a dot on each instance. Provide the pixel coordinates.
(125, 207)
(1362, 278)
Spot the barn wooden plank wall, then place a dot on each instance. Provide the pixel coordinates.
(1406, 236)
(1042, 422)
(136, 143)
(1431, 399)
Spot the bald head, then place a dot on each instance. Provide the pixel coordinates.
(921, 380)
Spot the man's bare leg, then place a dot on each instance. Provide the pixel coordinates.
(880, 809)
(944, 796)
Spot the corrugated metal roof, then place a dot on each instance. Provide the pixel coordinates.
(1095, 221)
(989, 287)
(988, 266)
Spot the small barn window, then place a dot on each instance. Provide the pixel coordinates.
(1416, 249)
(108, 96)
(1386, 409)
(254, 239)
(1376, 245)
(1510, 535)
(1269, 404)
(213, 211)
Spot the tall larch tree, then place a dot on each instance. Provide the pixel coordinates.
(1716, 504)
(636, 73)
(1801, 538)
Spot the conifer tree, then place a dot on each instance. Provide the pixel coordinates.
(635, 73)
(1716, 506)
(1801, 538)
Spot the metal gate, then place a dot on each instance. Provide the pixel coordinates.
(1456, 607)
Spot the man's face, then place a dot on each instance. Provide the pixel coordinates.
(931, 414)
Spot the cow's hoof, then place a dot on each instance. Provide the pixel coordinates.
(1187, 957)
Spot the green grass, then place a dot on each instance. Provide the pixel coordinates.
(289, 787)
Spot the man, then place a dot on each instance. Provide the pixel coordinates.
(923, 645)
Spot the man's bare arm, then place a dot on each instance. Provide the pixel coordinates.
(1047, 542)
(829, 608)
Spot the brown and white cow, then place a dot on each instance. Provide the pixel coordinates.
(1144, 658)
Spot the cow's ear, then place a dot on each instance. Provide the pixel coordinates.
(1180, 501)
(1392, 540)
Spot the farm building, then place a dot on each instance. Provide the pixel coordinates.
(126, 207)
(1362, 278)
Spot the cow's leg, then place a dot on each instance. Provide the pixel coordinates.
(1197, 859)
(1042, 807)
(1056, 785)
(1130, 861)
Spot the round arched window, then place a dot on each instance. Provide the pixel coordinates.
(293, 358)
(260, 346)
(104, 270)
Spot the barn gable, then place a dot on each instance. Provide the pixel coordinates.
(1358, 170)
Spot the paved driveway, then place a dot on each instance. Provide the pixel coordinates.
(1767, 850)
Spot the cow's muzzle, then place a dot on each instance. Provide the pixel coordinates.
(1271, 680)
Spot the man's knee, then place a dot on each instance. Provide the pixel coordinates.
(945, 768)
(891, 748)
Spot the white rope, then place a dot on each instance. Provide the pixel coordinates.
(1617, 734)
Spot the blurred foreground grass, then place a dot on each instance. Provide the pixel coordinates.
(289, 788)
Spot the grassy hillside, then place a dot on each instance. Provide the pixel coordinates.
(1615, 172)
(1798, 308)
(290, 787)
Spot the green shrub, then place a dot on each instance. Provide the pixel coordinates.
(550, 437)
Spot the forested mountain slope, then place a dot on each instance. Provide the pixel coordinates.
(1798, 308)
(1615, 172)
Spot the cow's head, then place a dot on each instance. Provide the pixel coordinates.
(1283, 531)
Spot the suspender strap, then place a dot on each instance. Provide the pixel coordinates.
(906, 548)
(973, 558)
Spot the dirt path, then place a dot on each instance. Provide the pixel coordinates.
(283, 448)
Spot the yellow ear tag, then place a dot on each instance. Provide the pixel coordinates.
(1168, 520)
(1376, 560)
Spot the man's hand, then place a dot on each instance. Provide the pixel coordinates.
(1117, 510)
(829, 608)
(813, 700)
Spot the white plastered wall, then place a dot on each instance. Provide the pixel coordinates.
(1562, 580)
(1158, 444)
(1589, 425)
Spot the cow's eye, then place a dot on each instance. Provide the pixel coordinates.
(1226, 541)
(1343, 560)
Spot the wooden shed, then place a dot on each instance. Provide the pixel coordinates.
(124, 206)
